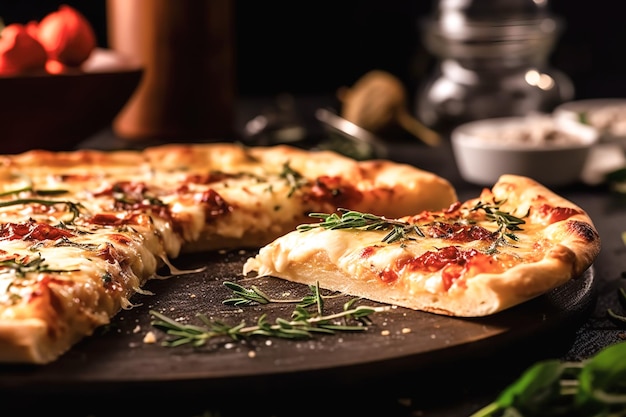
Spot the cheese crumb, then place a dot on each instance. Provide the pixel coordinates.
(406, 330)
(251, 354)
(150, 337)
(385, 333)
(137, 329)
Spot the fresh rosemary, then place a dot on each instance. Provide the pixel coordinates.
(131, 198)
(294, 179)
(23, 266)
(73, 208)
(350, 219)
(35, 192)
(506, 222)
(401, 230)
(303, 324)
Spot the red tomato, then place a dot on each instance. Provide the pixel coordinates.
(20, 51)
(67, 36)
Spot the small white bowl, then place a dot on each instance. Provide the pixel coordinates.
(607, 115)
(553, 152)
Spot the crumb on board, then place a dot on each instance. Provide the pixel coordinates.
(150, 337)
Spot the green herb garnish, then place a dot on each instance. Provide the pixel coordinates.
(25, 265)
(507, 224)
(594, 387)
(294, 179)
(73, 208)
(302, 324)
(349, 219)
(401, 230)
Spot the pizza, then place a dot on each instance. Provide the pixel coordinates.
(82, 231)
(474, 258)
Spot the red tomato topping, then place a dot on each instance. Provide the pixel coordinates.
(32, 231)
(457, 232)
(453, 263)
(333, 189)
(214, 204)
(555, 214)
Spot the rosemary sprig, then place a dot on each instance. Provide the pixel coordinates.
(506, 222)
(303, 324)
(294, 179)
(73, 208)
(131, 196)
(350, 219)
(30, 188)
(23, 266)
(254, 295)
(399, 230)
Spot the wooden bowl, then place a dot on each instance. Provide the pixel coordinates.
(58, 111)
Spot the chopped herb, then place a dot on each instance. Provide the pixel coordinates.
(302, 324)
(25, 265)
(294, 179)
(507, 224)
(349, 219)
(73, 208)
(401, 230)
(254, 295)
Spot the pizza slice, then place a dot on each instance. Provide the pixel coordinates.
(226, 196)
(512, 243)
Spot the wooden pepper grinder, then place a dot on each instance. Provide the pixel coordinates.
(186, 47)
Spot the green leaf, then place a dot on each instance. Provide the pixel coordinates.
(536, 387)
(603, 377)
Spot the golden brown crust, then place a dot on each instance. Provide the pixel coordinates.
(575, 235)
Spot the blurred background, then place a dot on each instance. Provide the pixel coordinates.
(315, 47)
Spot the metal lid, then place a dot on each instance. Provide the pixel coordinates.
(488, 11)
(493, 20)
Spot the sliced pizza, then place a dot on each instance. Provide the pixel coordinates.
(229, 196)
(81, 232)
(512, 243)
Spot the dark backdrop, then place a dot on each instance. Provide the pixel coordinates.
(316, 46)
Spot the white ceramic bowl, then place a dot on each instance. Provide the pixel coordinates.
(553, 152)
(607, 115)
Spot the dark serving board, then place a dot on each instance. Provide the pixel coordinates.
(116, 359)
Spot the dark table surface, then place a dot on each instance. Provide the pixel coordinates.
(457, 388)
